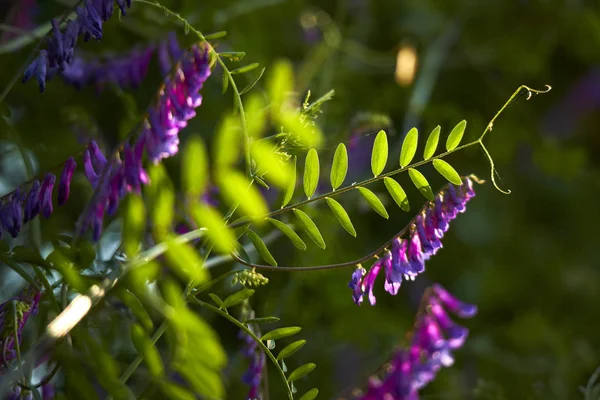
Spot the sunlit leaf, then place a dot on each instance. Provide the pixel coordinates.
(456, 135)
(268, 162)
(421, 183)
(280, 82)
(136, 308)
(397, 193)
(409, 147)
(339, 168)
(432, 143)
(289, 232)
(261, 247)
(162, 198)
(210, 218)
(176, 392)
(261, 320)
(227, 143)
(447, 171)
(301, 372)
(310, 395)
(256, 120)
(144, 346)
(237, 297)
(379, 155)
(280, 333)
(301, 133)
(341, 215)
(310, 228)
(291, 186)
(185, 261)
(134, 223)
(194, 168)
(374, 202)
(290, 349)
(236, 188)
(311, 173)
(243, 70)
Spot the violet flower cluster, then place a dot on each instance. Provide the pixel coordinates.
(435, 337)
(253, 375)
(59, 54)
(407, 257)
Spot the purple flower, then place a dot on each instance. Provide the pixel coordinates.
(64, 185)
(253, 375)
(45, 195)
(356, 285)
(11, 214)
(32, 205)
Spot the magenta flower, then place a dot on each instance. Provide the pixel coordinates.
(64, 185)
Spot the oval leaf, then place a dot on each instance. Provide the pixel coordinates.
(301, 371)
(144, 346)
(311, 229)
(194, 168)
(289, 190)
(261, 247)
(379, 155)
(280, 333)
(397, 193)
(432, 143)
(341, 215)
(447, 171)
(311, 173)
(210, 218)
(236, 189)
(421, 183)
(289, 232)
(242, 70)
(409, 147)
(237, 297)
(374, 202)
(456, 135)
(290, 349)
(310, 395)
(216, 299)
(261, 320)
(339, 168)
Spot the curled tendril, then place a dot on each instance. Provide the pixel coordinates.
(493, 170)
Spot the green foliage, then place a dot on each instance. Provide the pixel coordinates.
(237, 298)
(432, 143)
(280, 333)
(143, 344)
(289, 232)
(409, 147)
(447, 171)
(339, 167)
(301, 371)
(374, 202)
(210, 218)
(261, 247)
(421, 183)
(291, 349)
(397, 193)
(341, 215)
(237, 190)
(310, 228)
(311, 173)
(194, 168)
(310, 395)
(134, 224)
(380, 153)
(456, 135)
(185, 262)
(291, 186)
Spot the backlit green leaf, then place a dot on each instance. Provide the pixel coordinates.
(144, 346)
(280, 82)
(310, 395)
(409, 147)
(374, 202)
(421, 183)
(244, 69)
(261, 247)
(339, 168)
(291, 186)
(379, 155)
(301, 372)
(237, 297)
(300, 133)
(397, 193)
(185, 261)
(236, 188)
(268, 162)
(447, 171)
(176, 392)
(210, 218)
(289, 232)
(290, 349)
(261, 320)
(456, 135)
(227, 143)
(432, 142)
(134, 223)
(341, 215)
(280, 333)
(194, 168)
(310, 228)
(311, 173)
(136, 308)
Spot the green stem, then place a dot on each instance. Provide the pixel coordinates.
(21, 272)
(17, 344)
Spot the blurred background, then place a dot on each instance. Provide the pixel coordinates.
(529, 260)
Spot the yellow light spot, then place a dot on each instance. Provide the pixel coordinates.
(406, 65)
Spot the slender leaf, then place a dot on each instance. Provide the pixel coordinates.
(144, 346)
(216, 35)
(253, 83)
(224, 83)
(176, 392)
(341, 215)
(289, 232)
(134, 223)
(280, 333)
(310, 395)
(227, 143)
(256, 116)
(261, 247)
(339, 168)
(447, 171)
(374, 202)
(243, 70)
(237, 189)
(280, 82)
(397, 193)
(237, 297)
(432, 143)
(421, 183)
(311, 229)
(262, 320)
(311, 173)
(220, 235)
(217, 300)
(409, 147)
(233, 55)
(456, 135)
(290, 349)
(194, 168)
(289, 190)
(301, 372)
(137, 309)
(379, 155)
(185, 261)
(276, 170)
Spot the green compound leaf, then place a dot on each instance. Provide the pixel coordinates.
(339, 168)
(217, 300)
(290, 349)
(289, 232)
(237, 297)
(379, 155)
(310, 395)
(421, 183)
(242, 70)
(144, 346)
(341, 215)
(261, 320)
(409, 147)
(301, 372)
(311, 173)
(397, 193)
(310, 228)
(280, 333)
(432, 143)
(261, 247)
(374, 202)
(456, 135)
(289, 190)
(447, 171)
